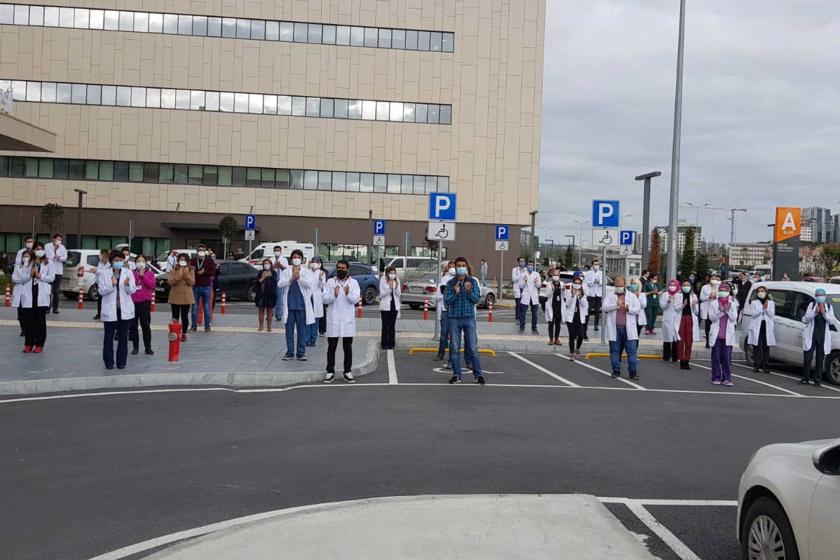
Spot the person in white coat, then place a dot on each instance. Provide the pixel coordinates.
(816, 339)
(297, 283)
(593, 283)
(27, 247)
(529, 284)
(389, 307)
(341, 294)
(56, 255)
(621, 309)
(576, 308)
(316, 266)
(708, 293)
(641, 320)
(116, 285)
(32, 279)
(723, 313)
(519, 270)
(762, 330)
(554, 307)
(670, 320)
(689, 328)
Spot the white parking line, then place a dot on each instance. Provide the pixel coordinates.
(782, 389)
(823, 385)
(675, 544)
(659, 502)
(599, 370)
(392, 368)
(542, 369)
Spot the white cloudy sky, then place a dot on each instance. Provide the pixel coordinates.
(761, 114)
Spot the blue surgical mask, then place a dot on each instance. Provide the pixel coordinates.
(820, 299)
(461, 271)
(530, 269)
(686, 289)
(118, 265)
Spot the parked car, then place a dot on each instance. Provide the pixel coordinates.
(792, 299)
(416, 292)
(236, 279)
(365, 275)
(78, 273)
(789, 502)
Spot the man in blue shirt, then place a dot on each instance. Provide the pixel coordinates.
(461, 296)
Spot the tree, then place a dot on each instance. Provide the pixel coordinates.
(655, 248)
(52, 216)
(687, 259)
(702, 265)
(227, 227)
(569, 257)
(828, 259)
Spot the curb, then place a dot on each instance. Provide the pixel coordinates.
(148, 380)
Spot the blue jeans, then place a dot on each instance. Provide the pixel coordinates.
(523, 313)
(467, 327)
(312, 337)
(296, 318)
(278, 307)
(619, 345)
(204, 295)
(444, 332)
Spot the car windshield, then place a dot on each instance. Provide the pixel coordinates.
(73, 258)
(834, 300)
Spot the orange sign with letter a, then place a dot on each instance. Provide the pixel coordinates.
(788, 224)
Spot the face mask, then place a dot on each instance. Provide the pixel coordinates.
(715, 282)
(202, 254)
(462, 271)
(576, 286)
(277, 254)
(182, 263)
(140, 265)
(723, 295)
(820, 299)
(672, 289)
(530, 269)
(686, 289)
(655, 280)
(40, 253)
(29, 245)
(596, 267)
(118, 265)
(521, 264)
(452, 271)
(266, 266)
(619, 290)
(392, 275)
(555, 278)
(25, 261)
(314, 266)
(341, 274)
(57, 242)
(761, 295)
(757, 279)
(296, 262)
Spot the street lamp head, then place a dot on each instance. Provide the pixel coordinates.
(650, 175)
(80, 191)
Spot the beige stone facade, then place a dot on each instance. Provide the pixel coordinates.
(493, 81)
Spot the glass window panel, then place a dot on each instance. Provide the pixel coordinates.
(152, 97)
(287, 31)
(121, 171)
(443, 184)
(267, 180)
(255, 103)
(446, 114)
(48, 92)
(21, 16)
(65, 17)
(199, 25)
(211, 101)
(226, 102)
(33, 91)
(435, 41)
(141, 22)
(324, 180)
(357, 36)
(328, 37)
(182, 99)
(371, 36)
(434, 113)
(151, 172)
(61, 169)
(91, 170)
(420, 112)
(79, 93)
(394, 184)
(238, 176)
(384, 38)
(155, 23)
(30, 167)
(170, 23)
(167, 99)
(342, 35)
(327, 108)
(408, 112)
(396, 112)
(284, 104)
(7, 14)
(354, 109)
(448, 42)
(383, 111)
(225, 176)
(64, 93)
(252, 179)
(126, 21)
(138, 97)
(109, 95)
(300, 32)
(184, 25)
(167, 173)
(340, 111)
(135, 172)
(214, 27)
(366, 182)
(82, 20)
(19, 90)
(411, 40)
(353, 182)
(297, 179)
(310, 180)
(197, 100)
(16, 167)
(270, 104)
(380, 183)
(243, 28)
(106, 170)
(240, 102)
(419, 184)
(181, 174)
(112, 20)
(258, 29)
(272, 31)
(94, 95)
(423, 41)
(196, 173)
(407, 184)
(313, 106)
(299, 106)
(210, 175)
(282, 178)
(36, 16)
(398, 39)
(51, 17)
(369, 110)
(339, 181)
(315, 32)
(431, 184)
(228, 27)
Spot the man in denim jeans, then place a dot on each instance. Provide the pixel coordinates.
(622, 310)
(461, 296)
(205, 272)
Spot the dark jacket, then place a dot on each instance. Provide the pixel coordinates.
(266, 291)
(743, 291)
(209, 267)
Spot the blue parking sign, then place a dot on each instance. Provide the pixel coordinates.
(442, 206)
(627, 237)
(379, 227)
(604, 214)
(502, 233)
(250, 222)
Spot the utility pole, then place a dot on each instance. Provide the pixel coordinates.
(573, 244)
(79, 229)
(533, 214)
(675, 151)
(646, 216)
(370, 238)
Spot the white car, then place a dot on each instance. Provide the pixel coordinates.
(79, 273)
(792, 299)
(789, 502)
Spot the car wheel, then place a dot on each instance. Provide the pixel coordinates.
(832, 368)
(369, 297)
(414, 306)
(93, 293)
(489, 299)
(252, 294)
(767, 532)
(70, 295)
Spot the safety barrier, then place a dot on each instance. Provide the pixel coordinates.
(8, 300)
(223, 309)
(426, 309)
(489, 311)
(80, 303)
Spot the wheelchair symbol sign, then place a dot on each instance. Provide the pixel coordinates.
(441, 231)
(605, 237)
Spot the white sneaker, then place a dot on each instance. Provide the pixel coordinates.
(348, 377)
(329, 377)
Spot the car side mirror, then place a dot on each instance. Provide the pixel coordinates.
(827, 459)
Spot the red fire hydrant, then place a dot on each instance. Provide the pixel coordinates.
(174, 341)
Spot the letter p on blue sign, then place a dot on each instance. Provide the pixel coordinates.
(627, 237)
(605, 214)
(442, 206)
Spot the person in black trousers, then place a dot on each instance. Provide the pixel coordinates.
(577, 307)
(389, 306)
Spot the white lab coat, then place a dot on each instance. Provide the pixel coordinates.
(610, 307)
(317, 296)
(514, 275)
(385, 294)
(672, 315)
(549, 308)
(444, 280)
(19, 255)
(56, 257)
(22, 280)
(341, 309)
(583, 306)
(705, 298)
(642, 319)
(171, 261)
(108, 293)
(715, 313)
(529, 287)
(808, 319)
(593, 283)
(307, 283)
(759, 315)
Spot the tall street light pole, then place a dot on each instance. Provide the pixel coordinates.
(646, 216)
(533, 214)
(79, 228)
(675, 151)
(573, 246)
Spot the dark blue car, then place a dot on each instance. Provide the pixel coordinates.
(365, 275)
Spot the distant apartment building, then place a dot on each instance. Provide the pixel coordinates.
(750, 254)
(820, 221)
(806, 232)
(681, 231)
(836, 228)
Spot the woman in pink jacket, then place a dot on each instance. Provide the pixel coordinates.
(144, 277)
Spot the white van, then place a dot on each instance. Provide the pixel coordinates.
(161, 259)
(414, 264)
(266, 250)
(792, 299)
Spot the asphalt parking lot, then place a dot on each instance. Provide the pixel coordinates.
(84, 475)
